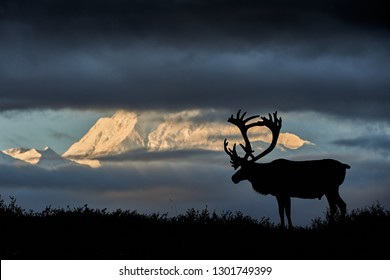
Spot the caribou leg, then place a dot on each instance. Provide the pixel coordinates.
(284, 205)
(341, 204)
(335, 201)
(281, 210)
(288, 211)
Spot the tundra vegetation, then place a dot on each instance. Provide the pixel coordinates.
(85, 233)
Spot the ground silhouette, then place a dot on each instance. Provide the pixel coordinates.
(85, 233)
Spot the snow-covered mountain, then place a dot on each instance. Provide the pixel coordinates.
(126, 131)
(108, 136)
(9, 160)
(150, 131)
(173, 135)
(46, 158)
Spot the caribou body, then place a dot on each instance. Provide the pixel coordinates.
(285, 178)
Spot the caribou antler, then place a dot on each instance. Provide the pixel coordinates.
(235, 160)
(240, 122)
(273, 123)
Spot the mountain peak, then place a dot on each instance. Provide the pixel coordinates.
(112, 135)
(47, 152)
(46, 158)
(121, 114)
(5, 158)
(28, 155)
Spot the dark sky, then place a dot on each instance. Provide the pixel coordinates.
(325, 56)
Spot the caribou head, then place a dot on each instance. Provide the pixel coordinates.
(284, 178)
(273, 123)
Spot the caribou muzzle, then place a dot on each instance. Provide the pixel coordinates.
(235, 179)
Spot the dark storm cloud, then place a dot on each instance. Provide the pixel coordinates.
(131, 177)
(194, 155)
(191, 21)
(327, 56)
(147, 185)
(377, 143)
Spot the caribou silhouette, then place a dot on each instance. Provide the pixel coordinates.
(285, 178)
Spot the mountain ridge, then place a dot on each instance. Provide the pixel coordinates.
(127, 131)
(46, 158)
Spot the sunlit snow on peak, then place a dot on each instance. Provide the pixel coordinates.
(184, 130)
